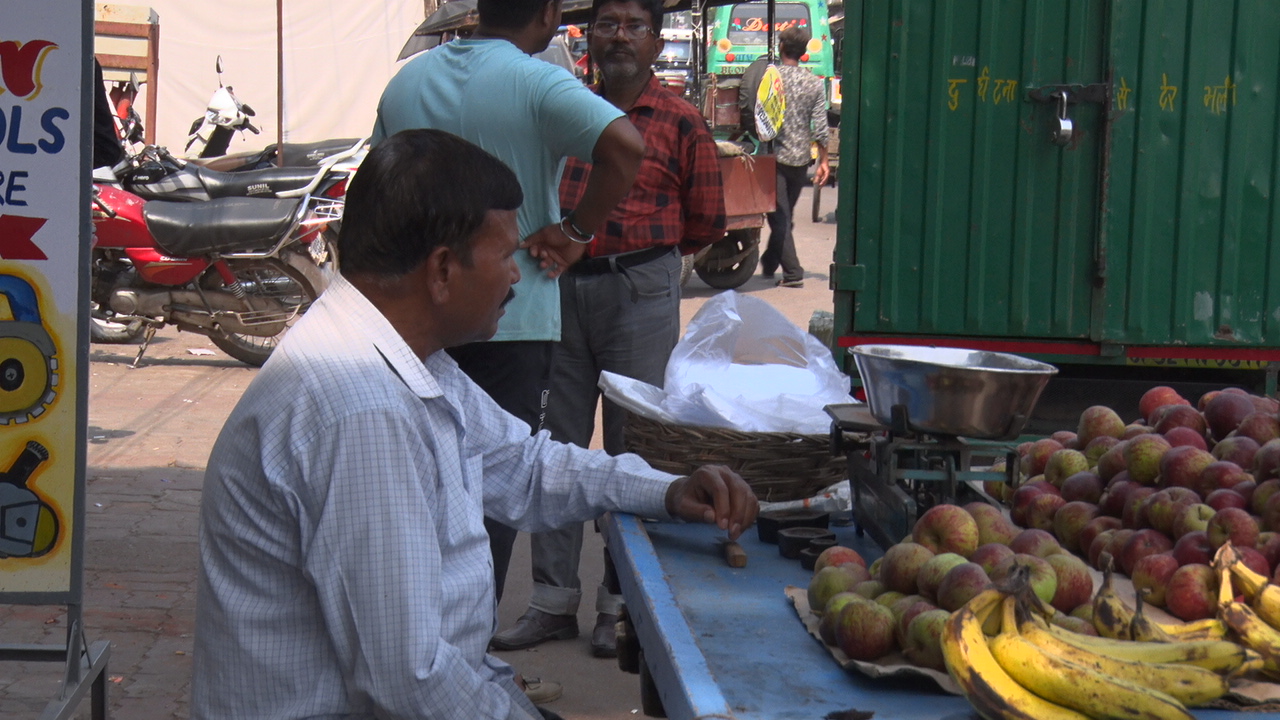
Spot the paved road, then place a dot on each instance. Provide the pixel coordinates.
(150, 433)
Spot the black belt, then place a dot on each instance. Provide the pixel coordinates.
(618, 263)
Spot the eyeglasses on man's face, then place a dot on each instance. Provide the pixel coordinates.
(633, 30)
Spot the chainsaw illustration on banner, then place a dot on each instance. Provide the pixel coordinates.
(28, 525)
(28, 356)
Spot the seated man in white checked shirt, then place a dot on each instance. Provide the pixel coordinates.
(344, 566)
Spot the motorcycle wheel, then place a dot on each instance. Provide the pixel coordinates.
(735, 242)
(272, 279)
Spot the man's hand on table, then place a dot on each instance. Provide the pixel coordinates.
(716, 495)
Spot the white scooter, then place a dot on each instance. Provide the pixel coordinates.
(210, 135)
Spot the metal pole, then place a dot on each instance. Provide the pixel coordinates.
(770, 19)
(280, 83)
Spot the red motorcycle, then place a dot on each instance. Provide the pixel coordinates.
(239, 270)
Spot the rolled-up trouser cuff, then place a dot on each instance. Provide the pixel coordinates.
(555, 600)
(606, 603)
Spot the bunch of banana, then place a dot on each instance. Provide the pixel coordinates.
(985, 684)
(1113, 618)
(1255, 623)
(1032, 669)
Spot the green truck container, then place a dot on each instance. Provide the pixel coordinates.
(1086, 182)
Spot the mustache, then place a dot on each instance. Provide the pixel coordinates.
(511, 295)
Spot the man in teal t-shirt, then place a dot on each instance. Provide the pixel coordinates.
(531, 115)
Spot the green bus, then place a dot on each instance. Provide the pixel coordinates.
(738, 34)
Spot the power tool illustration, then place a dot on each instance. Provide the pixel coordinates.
(28, 357)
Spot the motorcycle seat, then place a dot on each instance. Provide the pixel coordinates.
(312, 153)
(225, 225)
(253, 183)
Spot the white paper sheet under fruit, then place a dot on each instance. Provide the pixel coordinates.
(1243, 692)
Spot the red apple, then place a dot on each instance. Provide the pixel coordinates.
(1063, 464)
(1074, 582)
(1141, 544)
(1161, 507)
(990, 555)
(1112, 501)
(1142, 457)
(1099, 545)
(1097, 446)
(1238, 449)
(1193, 547)
(1038, 455)
(902, 563)
(1066, 437)
(1041, 509)
(1132, 516)
(1097, 421)
(1205, 398)
(1156, 397)
(838, 555)
(923, 642)
(1153, 572)
(1034, 541)
(947, 528)
(1021, 502)
(1223, 498)
(1071, 520)
(1133, 430)
(1255, 561)
(961, 584)
(933, 571)
(1264, 404)
(1095, 527)
(1259, 426)
(829, 581)
(1086, 486)
(1219, 474)
(831, 614)
(1112, 461)
(1044, 581)
(865, 631)
(1186, 437)
(1181, 416)
(1232, 524)
(1117, 543)
(1192, 593)
(1181, 466)
(993, 526)
(1262, 493)
(1225, 411)
(1269, 545)
(1270, 516)
(1191, 518)
(1266, 461)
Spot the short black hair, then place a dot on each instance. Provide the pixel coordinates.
(793, 41)
(416, 191)
(509, 14)
(655, 9)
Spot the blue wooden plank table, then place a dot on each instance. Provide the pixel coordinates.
(724, 642)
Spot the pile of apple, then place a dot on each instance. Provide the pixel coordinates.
(1162, 494)
(903, 599)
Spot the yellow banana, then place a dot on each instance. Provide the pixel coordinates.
(1252, 630)
(1188, 684)
(991, 691)
(1263, 596)
(1089, 691)
(1143, 629)
(1219, 656)
(1112, 617)
(1206, 629)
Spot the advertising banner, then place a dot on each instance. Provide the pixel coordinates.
(44, 241)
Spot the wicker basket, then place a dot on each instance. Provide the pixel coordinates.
(777, 465)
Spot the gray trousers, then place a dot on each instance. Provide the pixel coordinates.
(626, 323)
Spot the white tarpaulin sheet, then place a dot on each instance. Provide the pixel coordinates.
(338, 55)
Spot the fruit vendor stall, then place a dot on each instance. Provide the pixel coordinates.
(1110, 571)
(727, 642)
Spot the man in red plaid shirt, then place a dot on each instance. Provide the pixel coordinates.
(620, 304)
